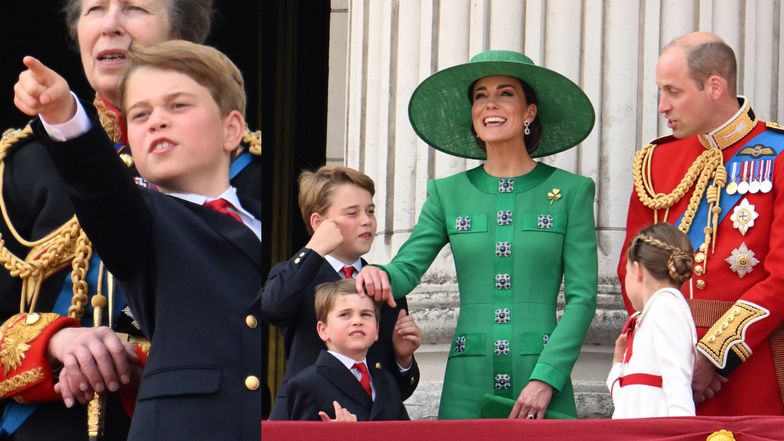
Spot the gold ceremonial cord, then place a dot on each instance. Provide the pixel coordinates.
(709, 165)
(51, 252)
(253, 141)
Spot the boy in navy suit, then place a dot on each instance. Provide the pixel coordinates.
(341, 378)
(337, 207)
(188, 257)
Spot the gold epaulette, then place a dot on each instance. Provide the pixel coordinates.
(729, 333)
(253, 141)
(12, 137)
(774, 126)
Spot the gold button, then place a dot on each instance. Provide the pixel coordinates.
(736, 310)
(297, 261)
(699, 258)
(730, 318)
(252, 382)
(703, 248)
(302, 254)
(699, 270)
(700, 284)
(251, 321)
(378, 365)
(711, 339)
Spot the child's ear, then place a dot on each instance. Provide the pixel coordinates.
(315, 221)
(234, 128)
(321, 328)
(637, 271)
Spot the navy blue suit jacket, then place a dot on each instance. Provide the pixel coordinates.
(191, 276)
(287, 302)
(315, 388)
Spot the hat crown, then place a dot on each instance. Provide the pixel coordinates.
(505, 56)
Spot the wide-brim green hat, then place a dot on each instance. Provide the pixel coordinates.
(440, 108)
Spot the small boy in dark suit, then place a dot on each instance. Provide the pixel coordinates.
(341, 378)
(337, 207)
(188, 256)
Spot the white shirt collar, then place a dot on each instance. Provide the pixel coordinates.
(338, 265)
(230, 194)
(347, 361)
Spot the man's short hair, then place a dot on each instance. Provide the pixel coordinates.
(204, 64)
(326, 293)
(709, 58)
(316, 188)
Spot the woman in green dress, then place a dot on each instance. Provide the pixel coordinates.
(516, 227)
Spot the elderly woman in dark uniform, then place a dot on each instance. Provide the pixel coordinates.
(49, 270)
(517, 228)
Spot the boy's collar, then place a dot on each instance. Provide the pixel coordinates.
(346, 360)
(338, 265)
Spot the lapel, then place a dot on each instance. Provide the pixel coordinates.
(337, 374)
(326, 274)
(235, 232)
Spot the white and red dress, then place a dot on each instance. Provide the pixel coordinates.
(654, 379)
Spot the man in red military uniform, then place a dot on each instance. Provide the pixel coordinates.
(716, 178)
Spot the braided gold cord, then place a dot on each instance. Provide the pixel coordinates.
(57, 247)
(80, 265)
(709, 165)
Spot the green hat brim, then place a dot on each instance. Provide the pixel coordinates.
(440, 109)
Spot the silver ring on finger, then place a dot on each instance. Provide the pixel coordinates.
(531, 416)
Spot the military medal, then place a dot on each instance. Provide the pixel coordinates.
(743, 216)
(754, 185)
(732, 187)
(766, 186)
(742, 260)
(743, 187)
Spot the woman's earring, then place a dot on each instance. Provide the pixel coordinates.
(527, 131)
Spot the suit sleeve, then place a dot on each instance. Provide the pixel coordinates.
(286, 286)
(580, 282)
(302, 404)
(418, 252)
(407, 381)
(674, 348)
(105, 199)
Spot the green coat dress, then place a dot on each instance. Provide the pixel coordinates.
(513, 241)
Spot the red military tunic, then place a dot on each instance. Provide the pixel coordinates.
(738, 316)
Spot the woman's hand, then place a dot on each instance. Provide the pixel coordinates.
(533, 401)
(341, 414)
(374, 282)
(42, 91)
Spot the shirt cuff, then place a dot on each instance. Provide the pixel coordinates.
(402, 369)
(76, 126)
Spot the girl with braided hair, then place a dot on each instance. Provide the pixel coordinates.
(654, 355)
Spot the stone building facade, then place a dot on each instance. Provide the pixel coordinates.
(380, 50)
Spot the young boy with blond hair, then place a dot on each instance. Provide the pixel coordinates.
(337, 207)
(341, 378)
(188, 258)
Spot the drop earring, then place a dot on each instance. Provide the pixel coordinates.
(527, 130)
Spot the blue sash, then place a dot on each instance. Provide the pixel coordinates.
(239, 164)
(15, 414)
(768, 138)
